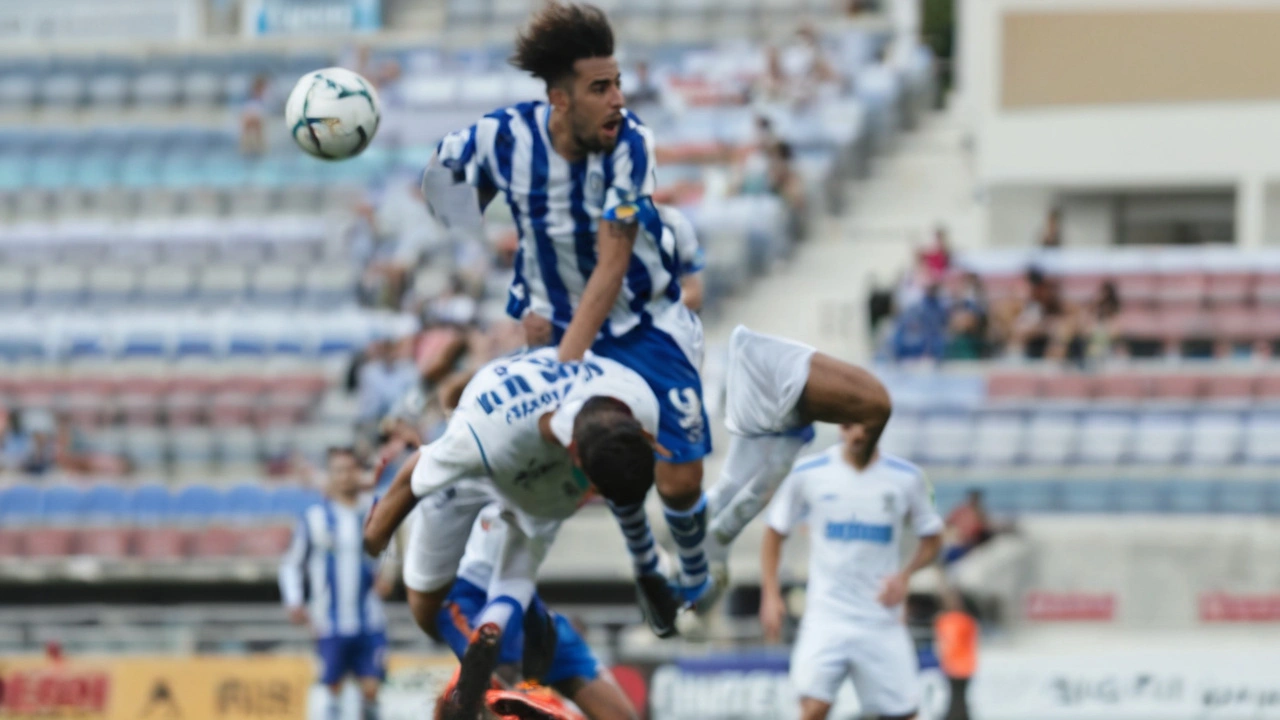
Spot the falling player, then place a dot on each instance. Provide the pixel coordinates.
(577, 172)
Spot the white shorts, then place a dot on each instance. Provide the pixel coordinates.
(879, 657)
(766, 377)
(438, 532)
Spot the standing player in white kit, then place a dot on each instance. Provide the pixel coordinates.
(856, 503)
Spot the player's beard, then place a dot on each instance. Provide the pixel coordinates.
(588, 136)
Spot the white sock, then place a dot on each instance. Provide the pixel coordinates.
(756, 466)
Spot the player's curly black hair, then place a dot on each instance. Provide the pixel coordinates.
(614, 451)
(560, 35)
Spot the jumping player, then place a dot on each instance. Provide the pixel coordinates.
(577, 172)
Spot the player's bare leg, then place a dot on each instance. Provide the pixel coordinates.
(599, 699)
(425, 608)
(840, 393)
(369, 687)
(813, 709)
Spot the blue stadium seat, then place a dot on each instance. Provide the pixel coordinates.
(1088, 496)
(20, 504)
(293, 500)
(106, 503)
(62, 504)
(1142, 496)
(150, 504)
(1037, 496)
(247, 502)
(1246, 497)
(1192, 496)
(196, 503)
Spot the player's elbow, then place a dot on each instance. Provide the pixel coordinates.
(879, 405)
(931, 547)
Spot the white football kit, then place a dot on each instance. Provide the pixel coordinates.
(492, 449)
(765, 379)
(856, 519)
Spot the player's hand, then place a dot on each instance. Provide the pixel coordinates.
(772, 612)
(894, 590)
(384, 586)
(298, 616)
(537, 330)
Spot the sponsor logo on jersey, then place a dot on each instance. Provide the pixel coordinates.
(854, 531)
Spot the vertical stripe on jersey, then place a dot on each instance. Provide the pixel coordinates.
(639, 159)
(331, 567)
(584, 238)
(503, 149)
(366, 583)
(562, 311)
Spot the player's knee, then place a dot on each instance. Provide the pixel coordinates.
(680, 485)
(369, 689)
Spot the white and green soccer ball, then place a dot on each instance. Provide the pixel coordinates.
(333, 113)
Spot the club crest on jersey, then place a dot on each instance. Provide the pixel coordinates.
(595, 188)
(689, 406)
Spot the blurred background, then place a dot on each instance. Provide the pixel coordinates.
(1052, 227)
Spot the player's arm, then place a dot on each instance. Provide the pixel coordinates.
(928, 526)
(691, 290)
(291, 574)
(614, 242)
(785, 511)
(627, 200)
(457, 185)
(391, 510)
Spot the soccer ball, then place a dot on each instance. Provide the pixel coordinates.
(333, 113)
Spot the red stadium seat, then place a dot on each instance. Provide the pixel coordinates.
(1229, 289)
(11, 543)
(1266, 289)
(161, 544)
(1184, 290)
(1230, 387)
(184, 408)
(1081, 289)
(232, 408)
(1177, 387)
(1003, 287)
(1070, 387)
(1123, 386)
(1235, 324)
(48, 542)
(215, 542)
(1268, 387)
(265, 541)
(1014, 386)
(110, 543)
(1138, 288)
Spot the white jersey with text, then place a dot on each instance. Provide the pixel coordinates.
(856, 519)
(494, 431)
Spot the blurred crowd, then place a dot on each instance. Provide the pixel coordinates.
(938, 311)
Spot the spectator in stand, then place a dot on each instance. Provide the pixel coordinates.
(253, 114)
(955, 634)
(786, 183)
(1051, 233)
(967, 527)
(15, 444)
(1104, 308)
(645, 92)
(397, 233)
(773, 85)
(921, 331)
(386, 376)
(935, 260)
(968, 325)
(1046, 327)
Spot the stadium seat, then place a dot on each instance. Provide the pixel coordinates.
(945, 439)
(157, 87)
(194, 449)
(290, 502)
(149, 504)
(1230, 388)
(1192, 496)
(1141, 496)
(196, 504)
(1214, 438)
(109, 543)
(20, 505)
(246, 503)
(1070, 387)
(328, 286)
(1051, 438)
(1160, 438)
(1260, 434)
(1179, 388)
(58, 286)
(1088, 496)
(105, 505)
(1123, 388)
(63, 505)
(1004, 386)
(161, 543)
(276, 285)
(238, 448)
(1244, 497)
(215, 542)
(265, 542)
(1105, 438)
(222, 285)
(165, 286)
(48, 542)
(13, 286)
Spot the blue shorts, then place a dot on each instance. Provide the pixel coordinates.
(364, 656)
(660, 352)
(573, 658)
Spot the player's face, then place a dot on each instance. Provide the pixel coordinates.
(595, 104)
(344, 474)
(854, 436)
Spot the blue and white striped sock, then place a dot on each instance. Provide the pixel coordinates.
(635, 528)
(689, 528)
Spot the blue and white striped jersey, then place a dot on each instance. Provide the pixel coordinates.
(327, 568)
(556, 206)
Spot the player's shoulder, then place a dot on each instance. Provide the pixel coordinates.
(900, 468)
(813, 464)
